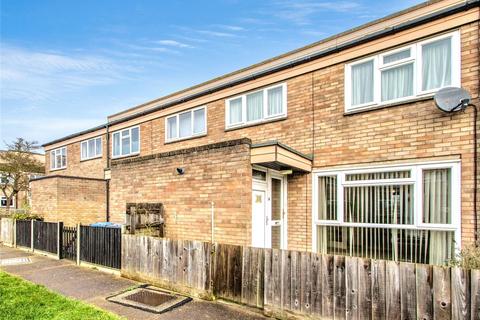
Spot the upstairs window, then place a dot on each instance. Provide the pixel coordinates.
(416, 70)
(91, 148)
(186, 125)
(58, 158)
(126, 142)
(257, 106)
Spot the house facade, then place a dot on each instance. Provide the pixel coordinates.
(336, 147)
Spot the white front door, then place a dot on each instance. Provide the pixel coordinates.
(269, 210)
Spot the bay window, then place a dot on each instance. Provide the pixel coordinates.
(126, 142)
(257, 106)
(401, 74)
(58, 158)
(91, 148)
(401, 213)
(186, 124)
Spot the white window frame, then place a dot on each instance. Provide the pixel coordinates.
(130, 136)
(12, 205)
(266, 117)
(85, 142)
(416, 58)
(416, 179)
(177, 116)
(58, 152)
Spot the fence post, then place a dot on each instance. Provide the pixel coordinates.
(59, 239)
(31, 235)
(78, 244)
(14, 233)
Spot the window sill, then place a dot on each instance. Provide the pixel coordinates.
(186, 138)
(131, 155)
(388, 105)
(58, 169)
(253, 124)
(88, 159)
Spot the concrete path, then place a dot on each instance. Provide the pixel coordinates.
(92, 286)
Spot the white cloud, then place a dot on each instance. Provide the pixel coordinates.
(173, 43)
(39, 75)
(43, 129)
(299, 12)
(231, 27)
(217, 33)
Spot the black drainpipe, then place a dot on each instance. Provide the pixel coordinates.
(107, 202)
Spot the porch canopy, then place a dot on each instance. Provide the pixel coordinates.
(277, 156)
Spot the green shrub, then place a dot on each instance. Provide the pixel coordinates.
(468, 257)
(26, 216)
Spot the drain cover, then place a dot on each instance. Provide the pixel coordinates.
(14, 261)
(149, 299)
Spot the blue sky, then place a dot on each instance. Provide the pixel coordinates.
(67, 65)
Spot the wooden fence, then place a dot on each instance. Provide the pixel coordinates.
(179, 265)
(45, 236)
(98, 245)
(101, 246)
(23, 233)
(6, 231)
(286, 283)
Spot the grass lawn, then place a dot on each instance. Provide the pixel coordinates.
(20, 299)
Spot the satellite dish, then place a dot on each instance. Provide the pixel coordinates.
(451, 99)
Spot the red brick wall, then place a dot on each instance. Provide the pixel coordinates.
(92, 168)
(68, 199)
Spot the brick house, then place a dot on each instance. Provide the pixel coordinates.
(336, 147)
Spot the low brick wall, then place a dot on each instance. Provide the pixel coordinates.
(220, 173)
(69, 199)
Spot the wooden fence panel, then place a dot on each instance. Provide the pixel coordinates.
(102, 246)
(364, 304)
(475, 294)
(45, 236)
(351, 266)
(316, 278)
(424, 284)
(379, 305)
(6, 231)
(460, 293)
(328, 282)
(23, 233)
(392, 290)
(228, 280)
(442, 307)
(339, 298)
(408, 299)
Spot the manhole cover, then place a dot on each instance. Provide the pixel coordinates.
(14, 261)
(149, 299)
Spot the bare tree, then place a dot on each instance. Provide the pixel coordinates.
(16, 164)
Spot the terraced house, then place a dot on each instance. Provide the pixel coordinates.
(336, 147)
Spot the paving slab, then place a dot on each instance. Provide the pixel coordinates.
(93, 286)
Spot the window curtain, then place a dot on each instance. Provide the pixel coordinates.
(235, 110)
(64, 157)
(255, 106)
(185, 126)
(199, 121)
(172, 128)
(98, 146)
(436, 64)
(135, 140)
(404, 54)
(397, 82)
(52, 160)
(91, 148)
(275, 101)
(116, 144)
(362, 83)
(437, 209)
(84, 150)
